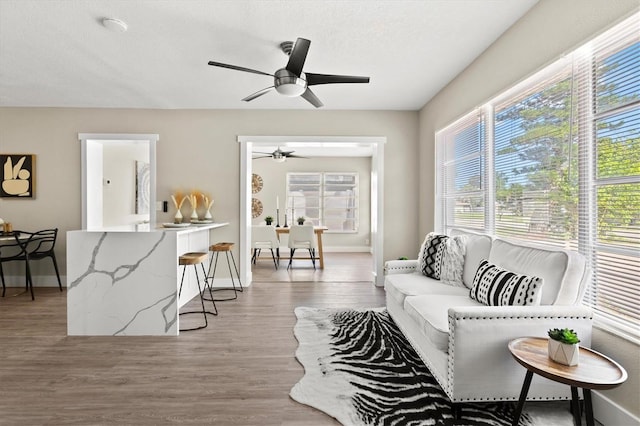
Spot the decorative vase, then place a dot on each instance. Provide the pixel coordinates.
(563, 353)
(207, 215)
(178, 217)
(194, 215)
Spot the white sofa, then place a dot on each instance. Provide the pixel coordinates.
(464, 342)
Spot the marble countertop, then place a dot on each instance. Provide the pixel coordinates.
(146, 227)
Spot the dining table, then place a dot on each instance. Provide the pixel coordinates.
(318, 230)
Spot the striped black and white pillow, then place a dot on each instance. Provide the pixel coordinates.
(442, 258)
(430, 257)
(495, 286)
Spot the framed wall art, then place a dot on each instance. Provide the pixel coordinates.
(17, 175)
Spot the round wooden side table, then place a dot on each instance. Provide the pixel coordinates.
(594, 371)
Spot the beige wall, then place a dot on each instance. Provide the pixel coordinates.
(198, 149)
(274, 176)
(551, 28)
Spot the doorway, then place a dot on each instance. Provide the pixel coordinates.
(374, 146)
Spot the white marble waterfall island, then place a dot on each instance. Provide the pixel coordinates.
(125, 281)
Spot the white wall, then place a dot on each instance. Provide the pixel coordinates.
(94, 185)
(274, 176)
(198, 149)
(551, 28)
(119, 168)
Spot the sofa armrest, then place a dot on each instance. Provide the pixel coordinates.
(478, 339)
(400, 266)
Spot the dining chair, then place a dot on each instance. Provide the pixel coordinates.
(41, 245)
(265, 237)
(302, 237)
(11, 251)
(30, 246)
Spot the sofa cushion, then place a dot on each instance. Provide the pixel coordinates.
(431, 313)
(402, 285)
(430, 256)
(442, 257)
(477, 248)
(495, 286)
(522, 258)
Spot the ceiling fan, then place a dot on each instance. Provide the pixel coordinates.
(278, 155)
(291, 81)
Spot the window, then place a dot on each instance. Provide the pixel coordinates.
(326, 199)
(557, 159)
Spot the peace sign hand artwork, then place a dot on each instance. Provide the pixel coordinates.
(17, 176)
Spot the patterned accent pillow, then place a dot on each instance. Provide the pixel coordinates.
(495, 286)
(442, 258)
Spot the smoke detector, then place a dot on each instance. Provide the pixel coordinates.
(114, 25)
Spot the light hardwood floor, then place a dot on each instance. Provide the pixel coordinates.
(343, 267)
(238, 371)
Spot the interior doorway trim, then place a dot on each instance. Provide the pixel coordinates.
(248, 143)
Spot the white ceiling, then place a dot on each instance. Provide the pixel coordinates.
(57, 53)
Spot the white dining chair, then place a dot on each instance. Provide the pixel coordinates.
(265, 237)
(302, 237)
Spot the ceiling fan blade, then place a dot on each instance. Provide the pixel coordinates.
(312, 98)
(298, 56)
(237, 68)
(313, 79)
(262, 156)
(258, 94)
(296, 156)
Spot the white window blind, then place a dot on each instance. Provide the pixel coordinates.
(461, 180)
(325, 199)
(561, 165)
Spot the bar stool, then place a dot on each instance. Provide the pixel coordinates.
(195, 258)
(227, 249)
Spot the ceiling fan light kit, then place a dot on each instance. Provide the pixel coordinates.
(288, 84)
(290, 81)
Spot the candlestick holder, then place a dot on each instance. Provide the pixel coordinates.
(277, 218)
(285, 220)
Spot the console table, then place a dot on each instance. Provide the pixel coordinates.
(594, 371)
(124, 281)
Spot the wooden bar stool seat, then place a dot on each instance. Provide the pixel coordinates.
(196, 258)
(192, 258)
(226, 248)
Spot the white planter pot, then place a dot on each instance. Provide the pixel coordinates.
(563, 353)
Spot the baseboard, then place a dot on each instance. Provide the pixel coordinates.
(347, 249)
(610, 413)
(38, 280)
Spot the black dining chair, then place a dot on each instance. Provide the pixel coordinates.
(11, 251)
(30, 246)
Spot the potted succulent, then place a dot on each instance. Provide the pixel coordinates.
(301, 220)
(269, 220)
(563, 346)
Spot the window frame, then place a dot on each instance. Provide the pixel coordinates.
(323, 196)
(583, 104)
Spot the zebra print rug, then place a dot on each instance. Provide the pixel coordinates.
(361, 370)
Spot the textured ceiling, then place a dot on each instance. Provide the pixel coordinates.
(57, 53)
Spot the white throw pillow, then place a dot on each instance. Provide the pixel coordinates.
(442, 258)
(495, 286)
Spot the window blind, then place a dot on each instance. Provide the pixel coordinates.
(559, 162)
(461, 179)
(325, 199)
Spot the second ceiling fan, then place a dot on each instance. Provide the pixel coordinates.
(290, 80)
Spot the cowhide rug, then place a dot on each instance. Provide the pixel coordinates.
(361, 370)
